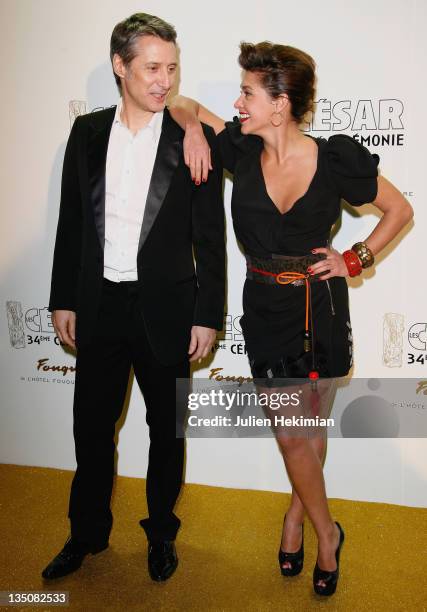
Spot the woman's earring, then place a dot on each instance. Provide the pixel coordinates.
(272, 119)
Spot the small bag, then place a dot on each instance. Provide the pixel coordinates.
(287, 367)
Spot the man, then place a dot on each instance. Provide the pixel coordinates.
(124, 288)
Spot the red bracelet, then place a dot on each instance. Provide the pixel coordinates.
(352, 262)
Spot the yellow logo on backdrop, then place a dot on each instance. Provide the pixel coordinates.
(422, 386)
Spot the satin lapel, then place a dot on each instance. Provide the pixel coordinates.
(167, 159)
(97, 157)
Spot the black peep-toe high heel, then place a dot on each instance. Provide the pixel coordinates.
(295, 559)
(329, 578)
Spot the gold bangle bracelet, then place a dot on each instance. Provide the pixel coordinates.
(364, 253)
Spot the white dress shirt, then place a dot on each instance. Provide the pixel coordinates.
(130, 161)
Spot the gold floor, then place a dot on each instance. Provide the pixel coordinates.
(227, 549)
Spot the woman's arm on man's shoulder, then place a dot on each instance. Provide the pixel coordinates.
(189, 115)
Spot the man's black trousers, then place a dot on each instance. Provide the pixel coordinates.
(102, 373)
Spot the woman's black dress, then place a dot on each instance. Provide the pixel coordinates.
(273, 318)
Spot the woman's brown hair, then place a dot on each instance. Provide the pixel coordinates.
(282, 69)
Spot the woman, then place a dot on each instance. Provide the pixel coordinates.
(287, 192)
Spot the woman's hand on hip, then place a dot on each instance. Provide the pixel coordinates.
(333, 265)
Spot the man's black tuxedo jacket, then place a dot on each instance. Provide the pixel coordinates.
(178, 217)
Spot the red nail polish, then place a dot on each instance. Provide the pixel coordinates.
(308, 269)
(313, 250)
(197, 182)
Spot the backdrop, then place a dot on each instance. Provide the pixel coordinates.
(371, 85)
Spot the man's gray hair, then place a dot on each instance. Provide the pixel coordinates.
(127, 32)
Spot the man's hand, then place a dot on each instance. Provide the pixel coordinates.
(197, 153)
(64, 323)
(202, 339)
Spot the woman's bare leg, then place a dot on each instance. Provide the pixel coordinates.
(292, 532)
(303, 458)
(305, 472)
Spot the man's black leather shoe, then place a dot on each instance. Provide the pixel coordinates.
(69, 559)
(162, 560)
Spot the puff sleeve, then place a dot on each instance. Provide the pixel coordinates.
(233, 145)
(352, 169)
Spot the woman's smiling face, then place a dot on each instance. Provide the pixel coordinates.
(254, 104)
